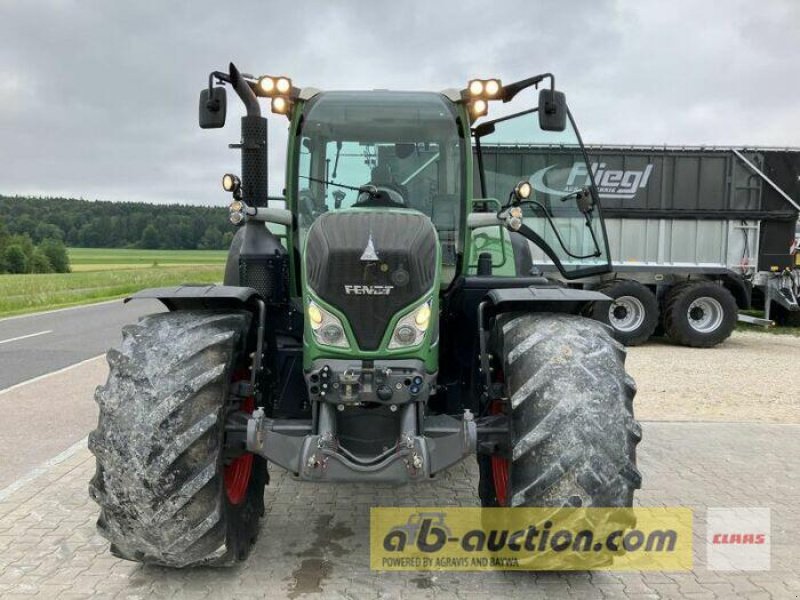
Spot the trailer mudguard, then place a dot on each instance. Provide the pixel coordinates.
(741, 289)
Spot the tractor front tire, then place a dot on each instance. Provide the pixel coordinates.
(161, 473)
(573, 435)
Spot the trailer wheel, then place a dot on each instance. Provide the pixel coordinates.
(167, 494)
(573, 434)
(700, 314)
(633, 314)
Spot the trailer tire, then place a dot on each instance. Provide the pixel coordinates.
(165, 493)
(573, 434)
(633, 315)
(700, 314)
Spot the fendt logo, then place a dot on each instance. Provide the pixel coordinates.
(611, 183)
(368, 290)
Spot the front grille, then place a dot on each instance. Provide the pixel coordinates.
(351, 257)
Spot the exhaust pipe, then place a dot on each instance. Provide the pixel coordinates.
(253, 143)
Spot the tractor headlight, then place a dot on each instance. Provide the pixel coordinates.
(327, 328)
(410, 329)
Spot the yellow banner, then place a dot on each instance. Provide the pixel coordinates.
(530, 539)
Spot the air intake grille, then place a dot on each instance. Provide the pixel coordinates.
(268, 275)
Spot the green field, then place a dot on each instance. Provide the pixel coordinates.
(101, 259)
(100, 274)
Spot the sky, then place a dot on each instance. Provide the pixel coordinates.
(98, 99)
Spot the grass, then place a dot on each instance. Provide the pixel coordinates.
(100, 274)
(101, 259)
(777, 330)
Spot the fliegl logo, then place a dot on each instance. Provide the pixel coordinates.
(475, 539)
(611, 183)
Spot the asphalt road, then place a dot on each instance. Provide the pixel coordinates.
(40, 343)
(50, 364)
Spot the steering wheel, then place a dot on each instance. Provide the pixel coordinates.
(386, 194)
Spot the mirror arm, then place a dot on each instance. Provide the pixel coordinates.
(219, 76)
(215, 104)
(512, 89)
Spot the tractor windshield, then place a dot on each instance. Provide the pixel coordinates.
(382, 149)
(563, 209)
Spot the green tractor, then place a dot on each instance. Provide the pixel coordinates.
(383, 320)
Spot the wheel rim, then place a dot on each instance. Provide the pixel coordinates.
(500, 466)
(705, 314)
(626, 314)
(237, 474)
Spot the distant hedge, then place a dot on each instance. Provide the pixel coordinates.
(18, 254)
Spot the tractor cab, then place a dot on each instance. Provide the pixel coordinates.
(382, 150)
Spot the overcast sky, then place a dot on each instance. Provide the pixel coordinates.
(98, 99)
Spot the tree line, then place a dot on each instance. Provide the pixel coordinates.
(35, 231)
(98, 224)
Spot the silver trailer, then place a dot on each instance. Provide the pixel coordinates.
(697, 234)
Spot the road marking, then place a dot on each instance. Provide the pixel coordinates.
(42, 469)
(25, 337)
(58, 310)
(50, 374)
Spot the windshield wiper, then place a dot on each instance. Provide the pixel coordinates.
(524, 229)
(365, 189)
(424, 166)
(336, 161)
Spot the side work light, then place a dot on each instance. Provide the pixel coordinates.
(230, 182)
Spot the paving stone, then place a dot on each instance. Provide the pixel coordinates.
(49, 546)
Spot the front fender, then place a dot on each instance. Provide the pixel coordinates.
(193, 297)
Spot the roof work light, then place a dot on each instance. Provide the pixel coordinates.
(280, 90)
(478, 94)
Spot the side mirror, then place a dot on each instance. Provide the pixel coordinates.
(552, 110)
(212, 108)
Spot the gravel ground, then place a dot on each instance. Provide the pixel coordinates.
(747, 378)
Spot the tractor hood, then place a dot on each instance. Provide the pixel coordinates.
(370, 264)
